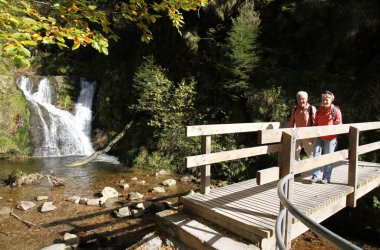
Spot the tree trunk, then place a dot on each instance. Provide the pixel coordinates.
(102, 151)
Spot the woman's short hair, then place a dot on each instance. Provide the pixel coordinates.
(328, 93)
(302, 94)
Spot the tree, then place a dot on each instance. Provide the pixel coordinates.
(242, 51)
(75, 23)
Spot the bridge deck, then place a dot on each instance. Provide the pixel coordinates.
(250, 210)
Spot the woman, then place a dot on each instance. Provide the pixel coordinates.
(327, 114)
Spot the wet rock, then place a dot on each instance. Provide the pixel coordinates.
(42, 197)
(164, 172)
(168, 204)
(74, 199)
(123, 212)
(60, 246)
(185, 179)
(135, 196)
(137, 212)
(134, 179)
(95, 202)
(109, 192)
(110, 202)
(140, 206)
(158, 190)
(5, 210)
(25, 205)
(124, 185)
(83, 200)
(169, 182)
(71, 239)
(48, 206)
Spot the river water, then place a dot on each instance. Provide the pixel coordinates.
(82, 220)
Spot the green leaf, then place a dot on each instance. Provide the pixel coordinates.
(28, 21)
(10, 50)
(24, 51)
(62, 45)
(92, 7)
(29, 43)
(47, 40)
(20, 62)
(75, 46)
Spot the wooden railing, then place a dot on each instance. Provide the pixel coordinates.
(206, 158)
(283, 141)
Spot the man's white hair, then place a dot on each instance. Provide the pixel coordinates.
(302, 94)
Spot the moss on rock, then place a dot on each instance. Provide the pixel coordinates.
(14, 120)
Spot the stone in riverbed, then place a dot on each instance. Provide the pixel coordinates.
(48, 206)
(158, 190)
(135, 196)
(42, 197)
(25, 205)
(123, 212)
(137, 212)
(169, 182)
(74, 199)
(124, 185)
(96, 202)
(109, 192)
(164, 172)
(71, 239)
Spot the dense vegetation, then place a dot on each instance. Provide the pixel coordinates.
(232, 62)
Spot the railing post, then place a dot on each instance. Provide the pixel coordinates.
(353, 164)
(288, 152)
(205, 169)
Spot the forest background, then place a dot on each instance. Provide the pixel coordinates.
(228, 62)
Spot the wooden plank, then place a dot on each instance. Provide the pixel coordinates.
(362, 149)
(319, 161)
(256, 215)
(205, 169)
(268, 201)
(204, 211)
(206, 159)
(232, 223)
(274, 135)
(217, 129)
(353, 164)
(267, 175)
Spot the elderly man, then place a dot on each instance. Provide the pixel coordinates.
(303, 115)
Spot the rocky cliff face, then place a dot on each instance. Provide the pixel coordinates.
(14, 120)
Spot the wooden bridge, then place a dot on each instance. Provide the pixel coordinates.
(250, 208)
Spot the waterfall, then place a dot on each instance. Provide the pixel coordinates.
(64, 133)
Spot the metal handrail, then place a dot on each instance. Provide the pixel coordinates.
(315, 227)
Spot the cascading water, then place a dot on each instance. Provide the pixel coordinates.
(64, 133)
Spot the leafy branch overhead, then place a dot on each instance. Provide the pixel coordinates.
(71, 24)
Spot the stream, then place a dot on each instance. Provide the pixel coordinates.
(97, 227)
